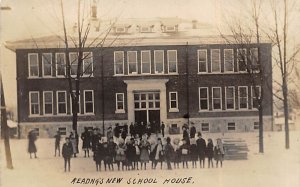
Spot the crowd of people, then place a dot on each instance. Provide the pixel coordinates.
(134, 150)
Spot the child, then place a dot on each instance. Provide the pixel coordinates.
(121, 157)
(130, 153)
(99, 155)
(57, 143)
(219, 152)
(185, 151)
(194, 152)
(210, 152)
(112, 151)
(169, 153)
(177, 156)
(144, 149)
(86, 141)
(136, 157)
(74, 144)
(67, 151)
(158, 153)
(106, 156)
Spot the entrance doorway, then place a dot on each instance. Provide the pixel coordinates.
(147, 107)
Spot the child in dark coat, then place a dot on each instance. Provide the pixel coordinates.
(99, 155)
(193, 152)
(130, 153)
(185, 153)
(107, 158)
(210, 152)
(136, 157)
(67, 151)
(112, 151)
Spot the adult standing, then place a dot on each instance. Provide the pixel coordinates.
(201, 147)
(86, 141)
(169, 153)
(94, 140)
(163, 129)
(131, 130)
(57, 138)
(32, 137)
(117, 131)
(192, 131)
(109, 133)
(185, 134)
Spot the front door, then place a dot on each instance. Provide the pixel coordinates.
(147, 107)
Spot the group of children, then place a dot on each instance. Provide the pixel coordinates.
(132, 152)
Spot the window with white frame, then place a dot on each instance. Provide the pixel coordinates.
(203, 98)
(132, 62)
(78, 104)
(61, 98)
(256, 125)
(228, 60)
(73, 63)
(256, 93)
(243, 97)
(60, 59)
(172, 61)
(146, 62)
(159, 61)
(242, 59)
(33, 63)
(216, 98)
(173, 102)
(47, 64)
(88, 63)
(145, 29)
(48, 102)
(119, 62)
(34, 101)
(205, 127)
(88, 101)
(202, 61)
(231, 126)
(230, 97)
(169, 28)
(254, 59)
(120, 108)
(215, 61)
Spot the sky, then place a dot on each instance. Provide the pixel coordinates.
(33, 18)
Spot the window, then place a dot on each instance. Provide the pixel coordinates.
(88, 101)
(120, 29)
(60, 64)
(74, 63)
(228, 60)
(172, 61)
(132, 62)
(203, 98)
(231, 126)
(47, 64)
(61, 102)
(230, 97)
(242, 59)
(215, 60)
(243, 97)
(256, 125)
(119, 62)
(173, 99)
(145, 29)
(254, 59)
(48, 102)
(88, 63)
(34, 100)
(256, 94)
(216, 98)
(33, 60)
(78, 104)
(169, 28)
(159, 61)
(146, 62)
(205, 127)
(202, 61)
(146, 100)
(62, 130)
(120, 103)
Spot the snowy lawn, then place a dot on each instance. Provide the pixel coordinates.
(276, 167)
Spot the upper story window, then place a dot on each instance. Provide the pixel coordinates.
(229, 97)
(242, 60)
(119, 62)
(74, 63)
(243, 97)
(33, 65)
(48, 102)
(228, 60)
(120, 103)
(61, 98)
(254, 59)
(47, 64)
(88, 101)
(132, 62)
(78, 103)
(60, 59)
(88, 63)
(159, 61)
(34, 102)
(146, 62)
(215, 61)
(203, 98)
(172, 61)
(216, 98)
(173, 99)
(202, 61)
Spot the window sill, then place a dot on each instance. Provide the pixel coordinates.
(174, 110)
(120, 111)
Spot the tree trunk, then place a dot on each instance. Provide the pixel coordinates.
(261, 129)
(286, 115)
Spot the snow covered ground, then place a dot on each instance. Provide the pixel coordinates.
(276, 167)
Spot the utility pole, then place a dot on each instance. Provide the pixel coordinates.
(5, 129)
